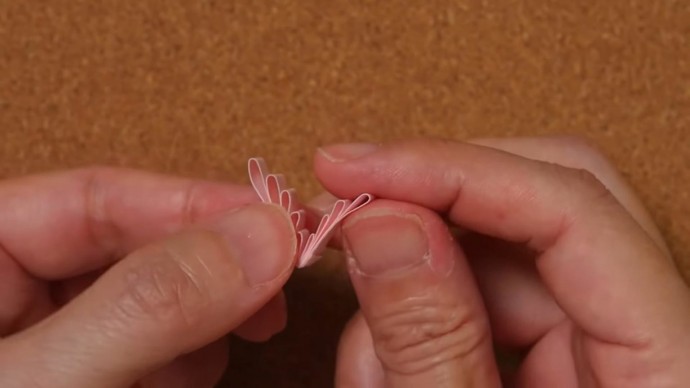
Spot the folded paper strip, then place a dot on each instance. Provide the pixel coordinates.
(272, 188)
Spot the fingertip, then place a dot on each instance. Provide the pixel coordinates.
(412, 171)
(262, 240)
(335, 171)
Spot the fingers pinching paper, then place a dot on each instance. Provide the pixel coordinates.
(272, 188)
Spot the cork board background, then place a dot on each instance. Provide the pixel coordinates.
(196, 87)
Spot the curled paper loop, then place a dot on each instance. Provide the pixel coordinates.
(272, 188)
(257, 174)
(319, 240)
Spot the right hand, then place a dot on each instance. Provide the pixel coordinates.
(559, 265)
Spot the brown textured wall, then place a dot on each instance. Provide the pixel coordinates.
(196, 87)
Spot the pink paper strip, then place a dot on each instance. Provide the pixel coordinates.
(272, 188)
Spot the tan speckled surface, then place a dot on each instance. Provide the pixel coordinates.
(196, 87)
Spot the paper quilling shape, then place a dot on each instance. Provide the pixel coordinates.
(272, 188)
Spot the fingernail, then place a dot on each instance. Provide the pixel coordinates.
(381, 244)
(261, 238)
(346, 152)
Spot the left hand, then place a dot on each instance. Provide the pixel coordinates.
(111, 276)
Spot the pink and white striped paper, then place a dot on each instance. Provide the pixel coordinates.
(272, 188)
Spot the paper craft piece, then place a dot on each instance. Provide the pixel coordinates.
(272, 188)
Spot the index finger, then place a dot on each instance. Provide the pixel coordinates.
(63, 224)
(602, 268)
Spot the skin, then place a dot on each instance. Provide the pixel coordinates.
(122, 278)
(557, 260)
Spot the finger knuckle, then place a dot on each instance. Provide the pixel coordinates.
(189, 203)
(99, 206)
(417, 335)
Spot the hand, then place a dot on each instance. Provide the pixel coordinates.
(555, 263)
(110, 277)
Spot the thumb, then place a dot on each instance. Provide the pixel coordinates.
(428, 324)
(162, 301)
